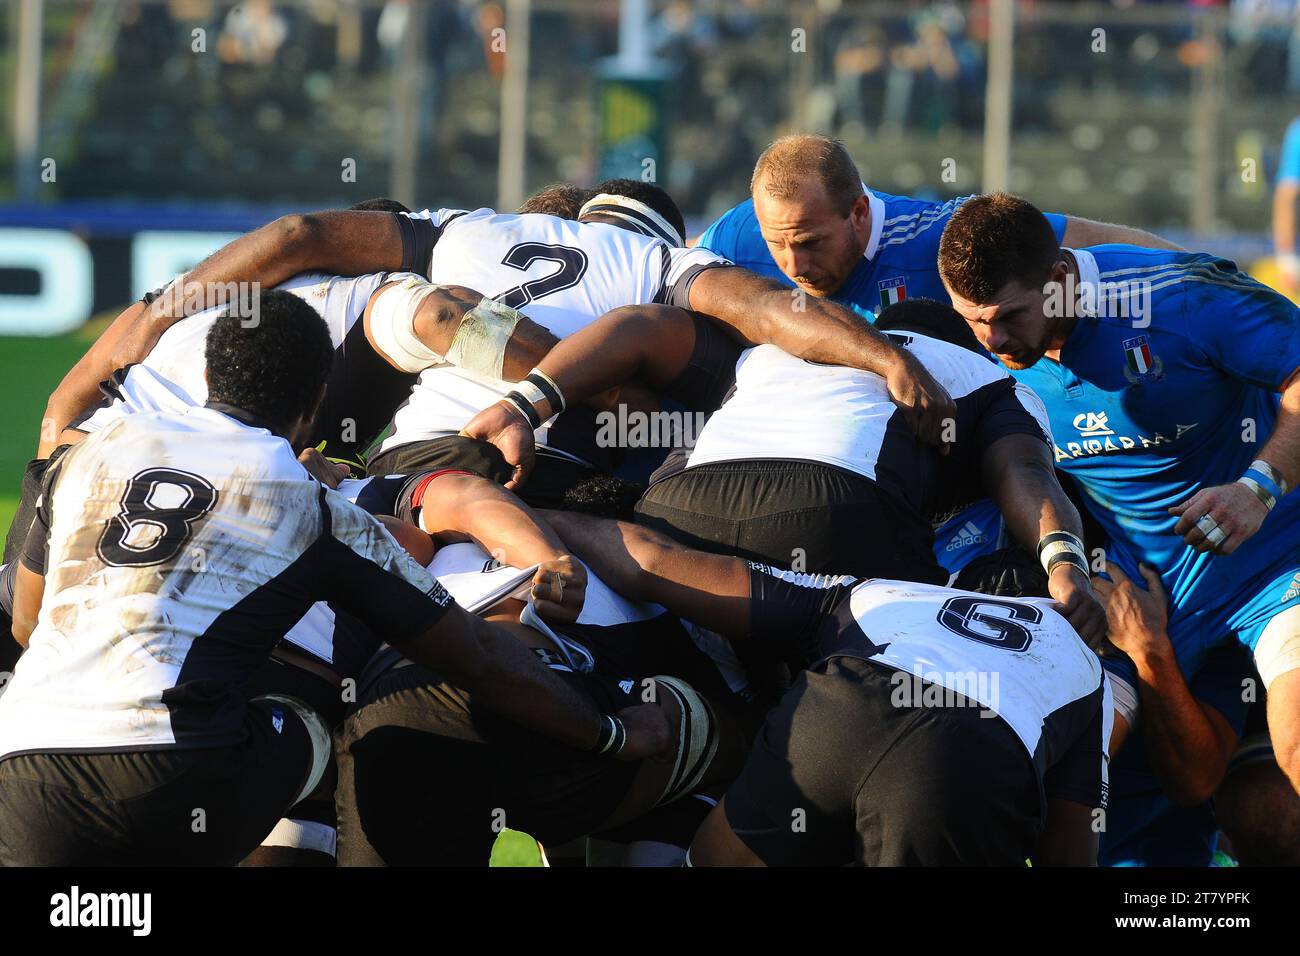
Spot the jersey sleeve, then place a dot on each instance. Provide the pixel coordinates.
(420, 233)
(721, 236)
(787, 609)
(1243, 327)
(676, 269)
(1059, 222)
(35, 554)
(371, 577)
(1288, 169)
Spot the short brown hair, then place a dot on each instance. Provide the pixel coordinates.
(558, 199)
(992, 240)
(793, 160)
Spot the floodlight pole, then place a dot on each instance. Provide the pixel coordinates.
(512, 158)
(997, 95)
(27, 97)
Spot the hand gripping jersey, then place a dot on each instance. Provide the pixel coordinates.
(171, 376)
(561, 274)
(900, 261)
(788, 408)
(177, 550)
(1014, 656)
(1168, 386)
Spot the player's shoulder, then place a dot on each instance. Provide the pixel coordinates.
(734, 232)
(908, 218)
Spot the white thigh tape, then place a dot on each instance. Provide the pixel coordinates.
(1278, 650)
(1126, 699)
(479, 344)
(392, 325)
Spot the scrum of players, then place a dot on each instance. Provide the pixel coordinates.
(983, 554)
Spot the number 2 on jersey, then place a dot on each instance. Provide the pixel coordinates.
(572, 262)
(144, 534)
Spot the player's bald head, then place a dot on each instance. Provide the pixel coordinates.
(792, 163)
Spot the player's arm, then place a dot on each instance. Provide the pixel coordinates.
(1019, 475)
(651, 344)
(758, 310)
(413, 325)
(365, 573)
(711, 590)
(1188, 740)
(1260, 348)
(460, 504)
(29, 591)
(127, 340)
(1080, 233)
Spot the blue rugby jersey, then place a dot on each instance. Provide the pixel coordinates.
(901, 260)
(1167, 387)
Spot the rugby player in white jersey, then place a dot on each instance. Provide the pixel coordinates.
(929, 726)
(170, 553)
(809, 465)
(563, 275)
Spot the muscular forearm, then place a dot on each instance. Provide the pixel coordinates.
(711, 590)
(508, 530)
(761, 311)
(515, 685)
(649, 343)
(1088, 232)
(127, 339)
(1181, 740)
(1019, 476)
(1282, 450)
(344, 243)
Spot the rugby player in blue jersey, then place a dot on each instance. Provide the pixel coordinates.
(1172, 381)
(812, 224)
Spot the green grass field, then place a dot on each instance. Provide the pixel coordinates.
(30, 368)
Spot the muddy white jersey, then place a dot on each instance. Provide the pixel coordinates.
(177, 550)
(560, 273)
(171, 376)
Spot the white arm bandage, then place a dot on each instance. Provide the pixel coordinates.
(480, 342)
(392, 325)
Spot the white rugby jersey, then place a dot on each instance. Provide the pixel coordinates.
(789, 408)
(177, 550)
(171, 376)
(1017, 657)
(561, 274)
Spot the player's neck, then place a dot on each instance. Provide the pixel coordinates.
(1065, 324)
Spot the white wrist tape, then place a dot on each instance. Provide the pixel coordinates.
(480, 342)
(392, 325)
(1053, 548)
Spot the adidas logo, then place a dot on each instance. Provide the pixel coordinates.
(1293, 591)
(966, 535)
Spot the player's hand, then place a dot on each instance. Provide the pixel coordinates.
(928, 407)
(502, 426)
(648, 732)
(1232, 509)
(1071, 589)
(559, 589)
(1137, 618)
(328, 473)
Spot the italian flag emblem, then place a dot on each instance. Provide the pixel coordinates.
(1138, 355)
(892, 292)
